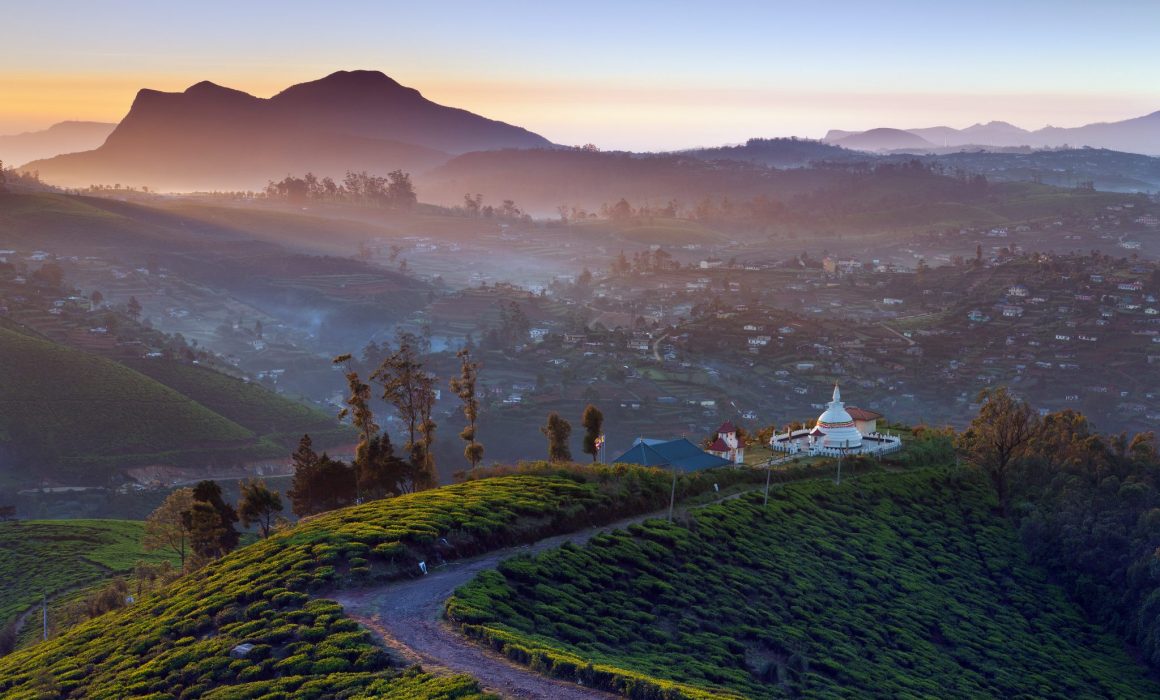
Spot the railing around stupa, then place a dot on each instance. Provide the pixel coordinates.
(797, 442)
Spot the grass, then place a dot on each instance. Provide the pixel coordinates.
(249, 405)
(176, 643)
(893, 585)
(52, 556)
(49, 393)
(151, 412)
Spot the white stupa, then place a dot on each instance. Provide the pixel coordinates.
(835, 428)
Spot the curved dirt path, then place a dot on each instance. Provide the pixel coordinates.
(407, 618)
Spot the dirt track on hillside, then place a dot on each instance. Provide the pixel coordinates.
(407, 617)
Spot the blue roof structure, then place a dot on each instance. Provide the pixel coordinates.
(679, 454)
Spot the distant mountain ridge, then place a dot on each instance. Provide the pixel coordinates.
(214, 137)
(1137, 135)
(65, 137)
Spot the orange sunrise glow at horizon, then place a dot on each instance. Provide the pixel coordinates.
(702, 78)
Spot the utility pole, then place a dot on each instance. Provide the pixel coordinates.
(673, 495)
(768, 473)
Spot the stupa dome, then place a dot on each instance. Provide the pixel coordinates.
(836, 425)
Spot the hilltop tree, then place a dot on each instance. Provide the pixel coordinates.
(411, 390)
(259, 505)
(400, 190)
(134, 308)
(593, 422)
(358, 409)
(223, 536)
(166, 527)
(205, 529)
(997, 436)
(320, 482)
(385, 473)
(464, 388)
(97, 298)
(306, 462)
(557, 431)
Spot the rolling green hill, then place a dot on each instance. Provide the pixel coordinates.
(176, 643)
(52, 556)
(78, 418)
(903, 585)
(249, 405)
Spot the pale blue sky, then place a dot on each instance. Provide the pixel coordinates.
(631, 75)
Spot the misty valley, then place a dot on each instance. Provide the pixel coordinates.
(343, 392)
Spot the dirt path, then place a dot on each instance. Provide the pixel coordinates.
(407, 617)
(656, 348)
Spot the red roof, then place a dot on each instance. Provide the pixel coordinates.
(726, 427)
(862, 414)
(719, 446)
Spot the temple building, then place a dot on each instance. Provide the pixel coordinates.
(839, 430)
(727, 446)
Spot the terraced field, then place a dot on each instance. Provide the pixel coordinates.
(893, 585)
(176, 643)
(152, 411)
(47, 557)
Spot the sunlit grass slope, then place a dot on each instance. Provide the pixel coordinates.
(176, 643)
(50, 556)
(895, 586)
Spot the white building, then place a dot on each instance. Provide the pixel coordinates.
(839, 431)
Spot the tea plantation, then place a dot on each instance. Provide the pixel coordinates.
(176, 643)
(183, 414)
(51, 556)
(247, 404)
(893, 585)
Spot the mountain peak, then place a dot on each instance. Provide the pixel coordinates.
(210, 89)
(353, 84)
(360, 78)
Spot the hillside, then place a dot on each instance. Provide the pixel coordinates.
(540, 179)
(883, 140)
(52, 556)
(49, 428)
(211, 137)
(249, 405)
(65, 137)
(778, 153)
(178, 641)
(903, 585)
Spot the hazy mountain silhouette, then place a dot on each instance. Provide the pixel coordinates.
(882, 140)
(65, 137)
(212, 137)
(994, 133)
(1138, 135)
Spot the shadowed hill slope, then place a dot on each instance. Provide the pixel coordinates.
(74, 417)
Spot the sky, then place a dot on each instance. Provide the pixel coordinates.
(625, 75)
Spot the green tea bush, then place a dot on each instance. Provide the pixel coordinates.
(176, 642)
(891, 585)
